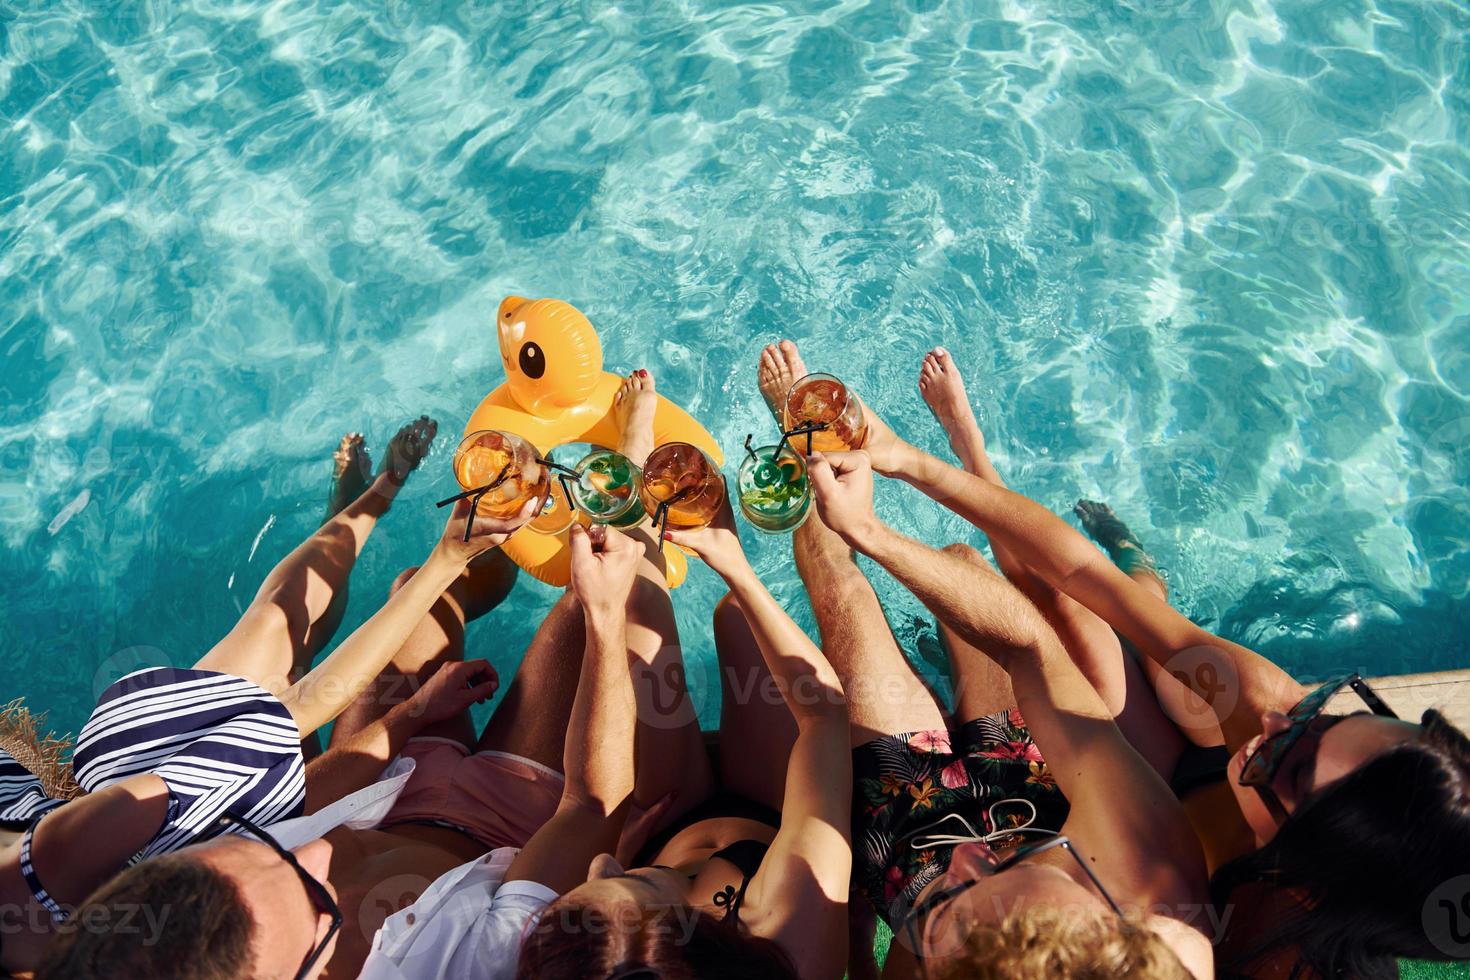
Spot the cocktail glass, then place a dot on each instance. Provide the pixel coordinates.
(607, 488)
(504, 468)
(682, 486)
(773, 489)
(825, 415)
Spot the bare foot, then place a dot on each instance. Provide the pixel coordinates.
(633, 406)
(408, 448)
(943, 390)
(781, 367)
(1120, 543)
(351, 472)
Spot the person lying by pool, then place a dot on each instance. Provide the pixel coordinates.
(1338, 880)
(753, 883)
(168, 751)
(938, 805)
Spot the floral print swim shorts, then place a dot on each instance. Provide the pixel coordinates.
(906, 784)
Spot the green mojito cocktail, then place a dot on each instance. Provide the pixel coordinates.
(774, 493)
(607, 488)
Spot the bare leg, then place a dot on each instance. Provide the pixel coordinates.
(757, 730)
(438, 639)
(982, 687)
(1122, 546)
(885, 695)
(299, 605)
(673, 767)
(1088, 639)
(532, 720)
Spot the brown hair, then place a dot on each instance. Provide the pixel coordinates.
(169, 916)
(1047, 942)
(580, 942)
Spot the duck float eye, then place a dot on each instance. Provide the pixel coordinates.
(532, 360)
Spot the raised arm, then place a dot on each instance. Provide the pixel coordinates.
(359, 759)
(598, 757)
(332, 685)
(1124, 817)
(803, 882)
(1239, 683)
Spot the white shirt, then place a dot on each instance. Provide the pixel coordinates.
(468, 923)
(361, 810)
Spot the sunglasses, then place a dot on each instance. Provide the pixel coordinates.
(317, 892)
(1262, 765)
(945, 896)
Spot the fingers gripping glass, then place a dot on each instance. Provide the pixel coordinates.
(476, 493)
(315, 890)
(1261, 767)
(912, 922)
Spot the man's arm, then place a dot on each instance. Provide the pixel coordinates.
(1124, 816)
(599, 751)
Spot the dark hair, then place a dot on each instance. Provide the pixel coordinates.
(1362, 856)
(168, 916)
(579, 942)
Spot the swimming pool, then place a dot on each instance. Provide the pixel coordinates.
(1205, 259)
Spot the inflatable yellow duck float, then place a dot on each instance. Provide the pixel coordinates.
(556, 392)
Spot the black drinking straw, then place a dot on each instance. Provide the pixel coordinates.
(469, 524)
(661, 514)
(552, 464)
(566, 489)
(805, 428)
(477, 490)
(477, 493)
(751, 451)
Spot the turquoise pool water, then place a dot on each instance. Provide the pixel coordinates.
(1205, 259)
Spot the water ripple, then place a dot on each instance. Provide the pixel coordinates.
(1204, 258)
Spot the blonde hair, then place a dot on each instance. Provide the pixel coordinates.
(43, 755)
(1047, 942)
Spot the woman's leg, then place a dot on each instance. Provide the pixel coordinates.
(300, 603)
(757, 730)
(673, 766)
(885, 695)
(1091, 643)
(1122, 546)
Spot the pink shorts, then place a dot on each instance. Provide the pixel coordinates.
(497, 798)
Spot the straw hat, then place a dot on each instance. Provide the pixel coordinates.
(44, 755)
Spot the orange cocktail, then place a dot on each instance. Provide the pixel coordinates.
(507, 466)
(823, 400)
(684, 484)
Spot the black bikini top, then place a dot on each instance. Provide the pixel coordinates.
(746, 855)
